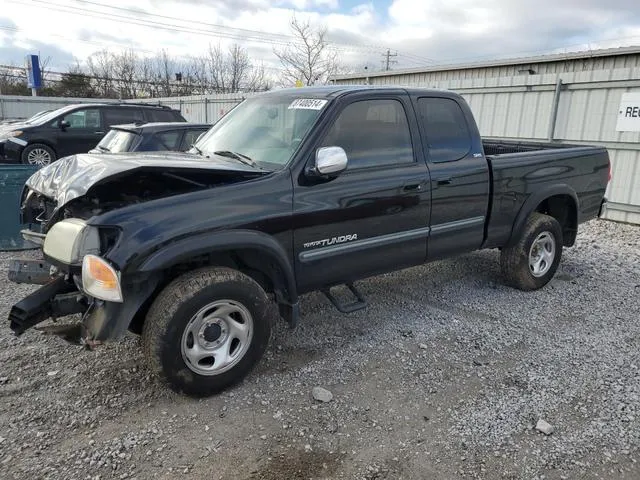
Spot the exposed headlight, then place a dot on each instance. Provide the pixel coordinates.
(68, 241)
(15, 133)
(100, 280)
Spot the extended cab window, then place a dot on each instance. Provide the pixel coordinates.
(88, 118)
(372, 133)
(445, 128)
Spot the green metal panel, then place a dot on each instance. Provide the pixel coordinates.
(12, 180)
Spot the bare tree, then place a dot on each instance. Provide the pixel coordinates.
(308, 59)
(100, 68)
(124, 69)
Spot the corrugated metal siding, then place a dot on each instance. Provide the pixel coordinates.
(540, 68)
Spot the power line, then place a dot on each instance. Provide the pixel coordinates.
(387, 59)
(249, 35)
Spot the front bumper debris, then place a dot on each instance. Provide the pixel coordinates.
(57, 298)
(36, 272)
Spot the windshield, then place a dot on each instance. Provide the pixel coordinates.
(117, 141)
(265, 130)
(36, 116)
(47, 117)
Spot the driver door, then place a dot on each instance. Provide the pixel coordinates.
(84, 132)
(374, 216)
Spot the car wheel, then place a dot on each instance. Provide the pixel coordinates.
(38, 155)
(206, 330)
(532, 261)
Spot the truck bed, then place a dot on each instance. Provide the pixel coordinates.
(522, 171)
(499, 147)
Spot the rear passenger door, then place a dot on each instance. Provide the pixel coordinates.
(374, 216)
(460, 178)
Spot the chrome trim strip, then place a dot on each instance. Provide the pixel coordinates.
(356, 246)
(458, 224)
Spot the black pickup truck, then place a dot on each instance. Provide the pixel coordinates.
(292, 191)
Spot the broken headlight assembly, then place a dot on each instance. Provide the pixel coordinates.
(74, 243)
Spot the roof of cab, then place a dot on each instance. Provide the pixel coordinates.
(331, 91)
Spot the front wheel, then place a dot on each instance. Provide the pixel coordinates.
(532, 261)
(206, 330)
(38, 154)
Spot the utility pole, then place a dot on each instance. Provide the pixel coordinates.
(388, 61)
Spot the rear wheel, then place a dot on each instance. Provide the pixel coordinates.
(532, 261)
(206, 330)
(38, 154)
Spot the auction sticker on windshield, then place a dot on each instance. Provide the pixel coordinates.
(308, 103)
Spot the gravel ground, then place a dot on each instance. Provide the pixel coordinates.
(445, 375)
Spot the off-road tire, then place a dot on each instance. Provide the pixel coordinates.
(514, 259)
(176, 305)
(24, 156)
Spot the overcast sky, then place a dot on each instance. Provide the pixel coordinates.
(423, 32)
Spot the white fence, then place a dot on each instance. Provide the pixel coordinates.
(16, 106)
(582, 110)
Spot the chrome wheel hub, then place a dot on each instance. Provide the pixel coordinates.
(217, 337)
(542, 254)
(39, 156)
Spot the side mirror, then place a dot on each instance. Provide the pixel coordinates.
(64, 124)
(330, 160)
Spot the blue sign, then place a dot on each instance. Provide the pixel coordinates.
(34, 76)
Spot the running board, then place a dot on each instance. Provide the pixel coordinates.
(353, 306)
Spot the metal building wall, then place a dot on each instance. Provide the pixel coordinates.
(456, 73)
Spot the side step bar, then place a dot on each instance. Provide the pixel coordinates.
(351, 307)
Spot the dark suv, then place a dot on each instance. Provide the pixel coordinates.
(75, 129)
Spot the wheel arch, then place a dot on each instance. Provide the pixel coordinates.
(253, 253)
(557, 201)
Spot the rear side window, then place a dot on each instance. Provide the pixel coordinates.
(115, 116)
(159, 115)
(445, 129)
(162, 141)
(372, 133)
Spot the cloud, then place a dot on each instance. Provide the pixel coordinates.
(422, 32)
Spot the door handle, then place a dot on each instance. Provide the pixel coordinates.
(100, 133)
(412, 187)
(444, 181)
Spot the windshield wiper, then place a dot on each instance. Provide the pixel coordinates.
(197, 150)
(104, 149)
(238, 156)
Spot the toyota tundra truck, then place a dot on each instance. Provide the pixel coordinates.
(293, 191)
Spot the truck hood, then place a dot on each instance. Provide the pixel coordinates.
(72, 177)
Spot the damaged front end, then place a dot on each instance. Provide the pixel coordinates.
(63, 204)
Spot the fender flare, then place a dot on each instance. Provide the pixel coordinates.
(189, 247)
(535, 199)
